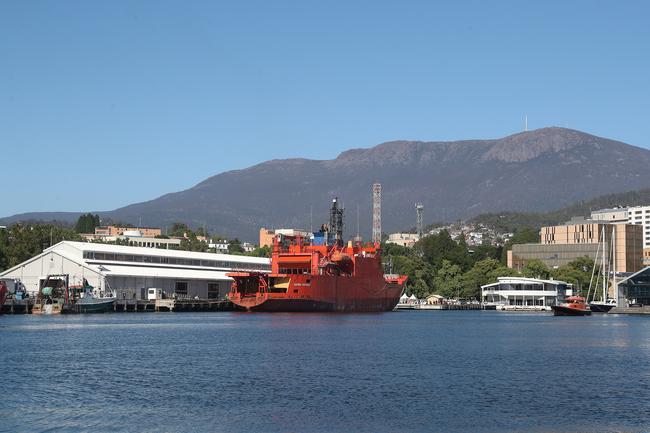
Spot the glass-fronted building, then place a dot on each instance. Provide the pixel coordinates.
(635, 289)
(519, 293)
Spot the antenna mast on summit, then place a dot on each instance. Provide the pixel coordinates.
(526, 123)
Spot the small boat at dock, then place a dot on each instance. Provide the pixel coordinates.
(84, 299)
(602, 307)
(574, 306)
(3, 294)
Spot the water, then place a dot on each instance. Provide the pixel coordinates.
(395, 372)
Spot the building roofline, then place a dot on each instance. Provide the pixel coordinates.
(100, 247)
(633, 275)
(501, 280)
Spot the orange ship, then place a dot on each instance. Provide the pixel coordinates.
(319, 274)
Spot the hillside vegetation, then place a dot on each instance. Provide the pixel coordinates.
(515, 221)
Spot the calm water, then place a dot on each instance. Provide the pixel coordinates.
(393, 372)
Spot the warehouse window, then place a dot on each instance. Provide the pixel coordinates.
(213, 290)
(181, 288)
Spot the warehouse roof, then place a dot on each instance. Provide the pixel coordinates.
(146, 271)
(91, 246)
(122, 260)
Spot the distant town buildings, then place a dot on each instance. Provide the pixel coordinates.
(219, 246)
(248, 247)
(147, 232)
(267, 235)
(148, 237)
(403, 239)
(473, 234)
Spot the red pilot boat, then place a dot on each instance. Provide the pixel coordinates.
(574, 306)
(319, 274)
(3, 294)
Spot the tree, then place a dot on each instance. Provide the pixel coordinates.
(525, 235)
(420, 274)
(87, 223)
(578, 273)
(536, 269)
(178, 229)
(260, 252)
(21, 242)
(483, 272)
(448, 280)
(234, 247)
(437, 248)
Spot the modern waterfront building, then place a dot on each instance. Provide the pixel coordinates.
(129, 271)
(635, 289)
(562, 244)
(524, 293)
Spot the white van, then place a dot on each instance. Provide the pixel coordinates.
(153, 294)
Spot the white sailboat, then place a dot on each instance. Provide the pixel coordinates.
(605, 304)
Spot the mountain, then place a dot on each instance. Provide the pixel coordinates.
(527, 172)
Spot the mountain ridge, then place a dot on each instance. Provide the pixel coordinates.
(529, 171)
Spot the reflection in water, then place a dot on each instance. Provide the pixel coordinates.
(404, 371)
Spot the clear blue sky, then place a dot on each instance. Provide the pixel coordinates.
(103, 104)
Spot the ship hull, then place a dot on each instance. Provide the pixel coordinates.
(307, 293)
(559, 310)
(316, 306)
(102, 305)
(600, 308)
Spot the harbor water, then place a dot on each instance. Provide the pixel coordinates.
(413, 371)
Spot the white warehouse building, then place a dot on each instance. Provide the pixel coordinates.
(129, 271)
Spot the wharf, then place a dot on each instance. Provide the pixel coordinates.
(438, 307)
(630, 310)
(25, 306)
(178, 305)
(17, 306)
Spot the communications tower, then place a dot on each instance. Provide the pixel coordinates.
(376, 212)
(419, 209)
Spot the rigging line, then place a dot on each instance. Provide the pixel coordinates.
(593, 270)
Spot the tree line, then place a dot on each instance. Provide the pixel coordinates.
(20, 242)
(440, 265)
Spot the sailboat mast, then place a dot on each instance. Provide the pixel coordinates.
(613, 261)
(603, 263)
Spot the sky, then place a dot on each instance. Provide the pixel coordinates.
(104, 104)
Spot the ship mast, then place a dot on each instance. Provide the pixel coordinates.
(336, 222)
